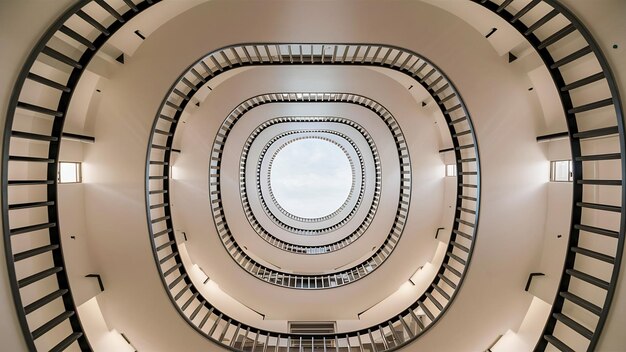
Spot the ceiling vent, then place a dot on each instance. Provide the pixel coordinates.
(312, 327)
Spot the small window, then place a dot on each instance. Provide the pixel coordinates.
(69, 172)
(561, 171)
(450, 170)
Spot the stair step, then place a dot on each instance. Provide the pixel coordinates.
(29, 182)
(557, 343)
(17, 206)
(456, 257)
(594, 254)
(571, 57)
(186, 305)
(460, 119)
(33, 252)
(61, 57)
(197, 310)
(176, 281)
(591, 106)
(460, 246)
(95, 24)
(581, 302)
(504, 4)
(600, 182)
(39, 109)
(172, 269)
(600, 132)
(48, 82)
(426, 310)
(574, 325)
(165, 245)
(31, 228)
(38, 276)
(441, 291)
(456, 107)
(435, 301)
(469, 211)
(110, 10)
(44, 300)
(160, 205)
(583, 82)
(464, 222)
(160, 233)
(154, 221)
(524, 10)
(30, 159)
(598, 230)
(168, 257)
(453, 270)
(182, 292)
(606, 207)
(543, 20)
(173, 106)
(33, 136)
(447, 281)
(462, 234)
(51, 324)
(597, 157)
(63, 345)
(557, 36)
(77, 37)
(131, 5)
(588, 278)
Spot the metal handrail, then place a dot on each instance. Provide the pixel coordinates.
(450, 275)
(315, 249)
(574, 27)
(76, 63)
(68, 87)
(276, 242)
(328, 280)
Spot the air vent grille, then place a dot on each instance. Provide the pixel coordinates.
(312, 327)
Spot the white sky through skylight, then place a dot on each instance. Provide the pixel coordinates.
(311, 178)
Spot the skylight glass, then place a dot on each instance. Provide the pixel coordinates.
(311, 178)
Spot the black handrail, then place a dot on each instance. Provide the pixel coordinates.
(310, 249)
(77, 66)
(68, 87)
(443, 92)
(328, 280)
(576, 27)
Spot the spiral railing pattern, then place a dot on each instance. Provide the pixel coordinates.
(237, 253)
(42, 193)
(182, 291)
(314, 249)
(570, 84)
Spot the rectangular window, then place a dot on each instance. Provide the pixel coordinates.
(69, 172)
(561, 171)
(450, 170)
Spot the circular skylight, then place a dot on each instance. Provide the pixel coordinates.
(311, 178)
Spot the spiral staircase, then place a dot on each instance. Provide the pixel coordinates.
(178, 237)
